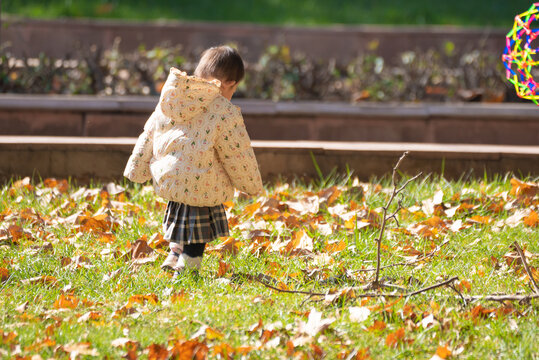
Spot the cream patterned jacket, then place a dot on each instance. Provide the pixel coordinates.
(195, 145)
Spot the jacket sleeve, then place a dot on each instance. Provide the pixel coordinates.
(237, 156)
(138, 165)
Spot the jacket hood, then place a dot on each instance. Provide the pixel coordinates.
(184, 97)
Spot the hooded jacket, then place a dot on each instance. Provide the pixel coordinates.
(195, 145)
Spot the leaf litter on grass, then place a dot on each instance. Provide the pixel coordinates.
(80, 257)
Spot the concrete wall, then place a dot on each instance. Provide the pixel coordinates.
(105, 158)
(509, 124)
(60, 37)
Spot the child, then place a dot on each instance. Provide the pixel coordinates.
(196, 149)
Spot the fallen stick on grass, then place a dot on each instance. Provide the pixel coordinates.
(526, 267)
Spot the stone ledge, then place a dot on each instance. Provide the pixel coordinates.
(509, 124)
(105, 158)
(146, 104)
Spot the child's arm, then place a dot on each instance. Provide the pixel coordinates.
(138, 165)
(237, 156)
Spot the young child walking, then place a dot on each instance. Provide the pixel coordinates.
(196, 149)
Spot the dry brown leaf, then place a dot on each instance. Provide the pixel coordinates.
(520, 189)
(335, 247)
(90, 315)
(142, 299)
(66, 302)
(157, 352)
(443, 352)
(315, 324)
(140, 249)
(44, 279)
(122, 342)
(76, 349)
(377, 326)
(190, 349)
(531, 220)
(299, 244)
(4, 274)
(329, 195)
(22, 307)
(229, 246)
(223, 268)
(394, 338)
(178, 297)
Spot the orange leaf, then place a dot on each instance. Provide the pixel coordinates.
(178, 297)
(4, 274)
(66, 302)
(336, 247)
(523, 189)
(229, 246)
(395, 337)
(480, 219)
(463, 284)
(443, 352)
(378, 325)
(531, 220)
(191, 349)
(223, 268)
(212, 334)
(157, 352)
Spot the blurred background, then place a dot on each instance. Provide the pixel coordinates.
(338, 51)
(289, 12)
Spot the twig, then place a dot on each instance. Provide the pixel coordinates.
(443, 283)
(503, 297)
(395, 192)
(459, 293)
(257, 279)
(407, 263)
(521, 253)
(310, 293)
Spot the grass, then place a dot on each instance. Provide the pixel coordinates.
(310, 12)
(245, 315)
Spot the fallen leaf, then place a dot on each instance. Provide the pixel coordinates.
(531, 220)
(122, 342)
(90, 315)
(393, 339)
(443, 352)
(140, 249)
(66, 302)
(377, 326)
(223, 268)
(22, 307)
(157, 352)
(359, 314)
(4, 274)
(315, 324)
(44, 279)
(76, 349)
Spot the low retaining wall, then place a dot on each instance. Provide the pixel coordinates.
(509, 124)
(60, 37)
(105, 158)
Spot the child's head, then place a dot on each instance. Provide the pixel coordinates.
(224, 64)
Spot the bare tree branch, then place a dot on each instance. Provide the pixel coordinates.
(386, 218)
(525, 263)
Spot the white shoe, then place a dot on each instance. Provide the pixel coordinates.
(170, 261)
(188, 262)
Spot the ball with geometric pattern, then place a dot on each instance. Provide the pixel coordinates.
(520, 54)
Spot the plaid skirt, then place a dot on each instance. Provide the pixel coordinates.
(186, 224)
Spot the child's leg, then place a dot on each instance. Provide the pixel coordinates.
(175, 250)
(191, 257)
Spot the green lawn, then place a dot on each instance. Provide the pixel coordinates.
(69, 283)
(308, 12)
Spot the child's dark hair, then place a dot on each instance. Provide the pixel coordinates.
(221, 62)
